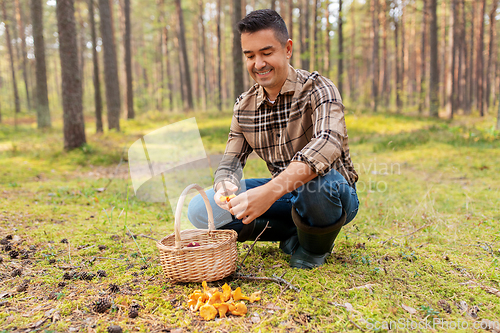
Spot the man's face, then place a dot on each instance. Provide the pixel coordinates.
(266, 59)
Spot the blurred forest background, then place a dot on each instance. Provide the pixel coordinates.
(103, 61)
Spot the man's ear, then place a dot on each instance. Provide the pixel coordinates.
(289, 48)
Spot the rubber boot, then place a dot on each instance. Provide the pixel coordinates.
(277, 230)
(316, 243)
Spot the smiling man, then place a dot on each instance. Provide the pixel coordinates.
(294, 121)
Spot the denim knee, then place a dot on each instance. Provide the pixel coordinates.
(197, 213)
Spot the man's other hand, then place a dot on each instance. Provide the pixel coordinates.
(224, 190)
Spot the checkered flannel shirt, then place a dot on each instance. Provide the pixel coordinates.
(305, 123)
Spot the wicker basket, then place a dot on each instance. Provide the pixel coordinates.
(213, 260)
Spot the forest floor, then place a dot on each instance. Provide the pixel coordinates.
(422, 254)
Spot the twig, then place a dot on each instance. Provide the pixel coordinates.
(255, 241)
(131, 234)
(69, 252)
(275, 278)
(146, 236)
(357, 326)
(88, 247)
(411, 233)
(110, 258)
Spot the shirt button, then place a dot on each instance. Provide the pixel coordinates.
(278, 135)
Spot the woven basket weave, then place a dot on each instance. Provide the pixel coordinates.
(213, 260)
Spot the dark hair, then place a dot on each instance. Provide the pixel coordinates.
(264, 19)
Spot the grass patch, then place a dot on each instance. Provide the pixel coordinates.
(422, 250)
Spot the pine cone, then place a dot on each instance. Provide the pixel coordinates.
(102, 273)
(23, 286)
(86, 276)
(61, 284)
(8, 237)
(52, 261)
(102, 247)
(68, 276)
(102, 305)
(1, 260)
(13, 254)
(7, 248)
(64, 241)
(16, 272)
(25, 254)
(113, 288)
(133, 311)
(4, 241)
(114, 329)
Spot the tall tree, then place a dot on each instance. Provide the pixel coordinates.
(185, 59)
(423, 44)
(205, 81)
(450, 82)
(97, 81)
(314, 42)
(11, 55)
(237, 52)
(491, 53)
(74, 127)
(111, 82)
(397, 62)
(305, 53)
(219, 57)
(128, 62)
(375, 57)
(479, 58)
(20, 24)
(340, 81)
(434, 80)
(383, 83)
(169, 76)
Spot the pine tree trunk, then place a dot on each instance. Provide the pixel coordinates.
(128, 63)
(97, 81)
(237, 52)
(397, 63)
(169, 71)
(74, 127)
(219, 58)
(185, 60)
(340, 82)
(314, 43)
(11, 55)
(450, 83)
(443, 71)
(434, 81)
(204, 80)
(422, 92)
(480, 59)
(111, 82)
(384, 94)
(305, 53)
(375, 58)
(327, 53)
(491, 53)
(161, 19)
(352, 66)
(20, 23)
(42, 96)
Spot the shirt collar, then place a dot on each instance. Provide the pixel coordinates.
(288, 86)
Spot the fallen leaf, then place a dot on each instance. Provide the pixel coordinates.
(409, 309)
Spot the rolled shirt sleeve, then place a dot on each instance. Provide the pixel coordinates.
(235, 156)
(329, 131)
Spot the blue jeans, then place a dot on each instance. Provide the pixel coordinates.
(319, 202)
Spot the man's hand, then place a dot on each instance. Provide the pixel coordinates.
(224, 190)
(251, 204)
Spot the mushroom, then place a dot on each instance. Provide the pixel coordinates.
(208, 312)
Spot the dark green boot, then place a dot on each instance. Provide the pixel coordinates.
(278, 230)
(316, 243)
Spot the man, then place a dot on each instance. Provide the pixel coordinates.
(294, 121)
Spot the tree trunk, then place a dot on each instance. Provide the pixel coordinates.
(304, 42)
(169, 75)
(422, 92)
(340, 79)
(397, 63)
(443, 71)
(383, 73)
(219, 58)
(110, 67)
(237, 52)
(450, 83)
(434, 81)
(352, 67)
(314, 43)
(20, 23)
(479, 58)
(327, 53)
(204, 81)
(11, 55)
(404, 62)
(128, 63)
(183, 50)
(375, 58)
(74, 127)
(491, 53)
(161, 19)
(97, 81)
(42, 96)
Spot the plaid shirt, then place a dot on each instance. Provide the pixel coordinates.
(305, 123)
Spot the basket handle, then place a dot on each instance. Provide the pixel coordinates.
(178, 210)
